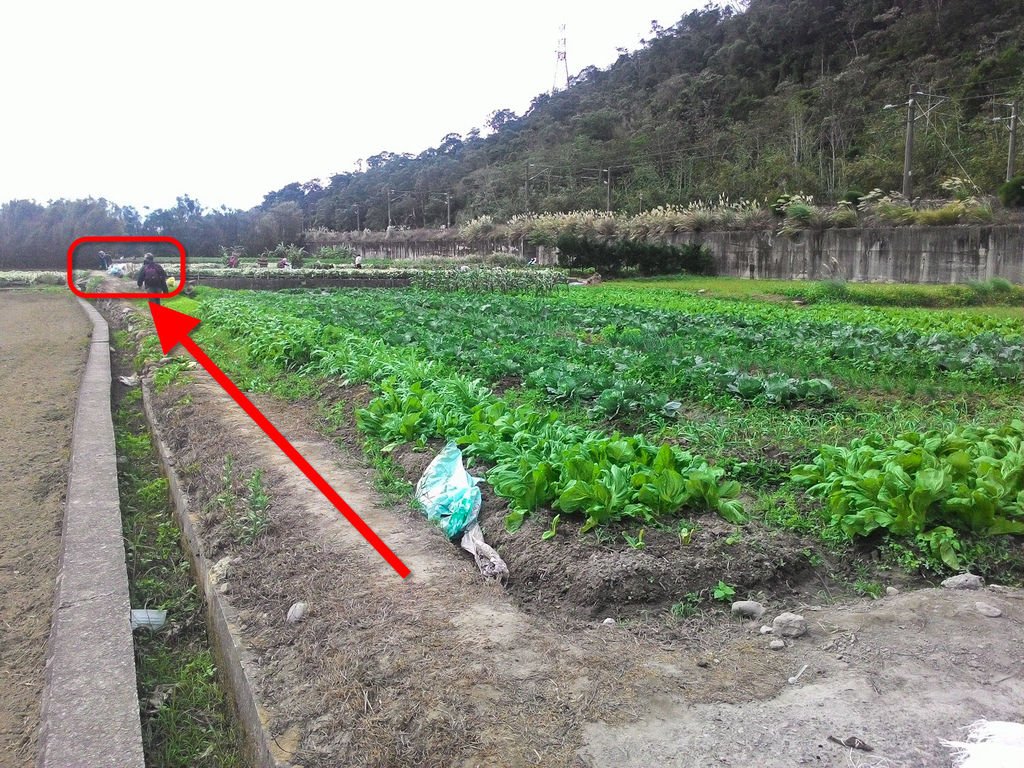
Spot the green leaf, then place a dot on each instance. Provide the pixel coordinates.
(552, 530)
(732, 511)
(514, 521)
(1002, 526)
(664, 459)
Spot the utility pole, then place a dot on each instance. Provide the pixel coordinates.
(608, 181)
(358, 228)
(641, 202)
(908, 150)
(389, 206)
(1013, 142)
(448, 205)
(528, 167)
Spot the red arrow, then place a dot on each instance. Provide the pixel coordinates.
(174, 328)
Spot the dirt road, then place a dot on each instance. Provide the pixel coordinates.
(43, 345)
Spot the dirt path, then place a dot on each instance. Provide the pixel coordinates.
(43, 346)
(445, 669)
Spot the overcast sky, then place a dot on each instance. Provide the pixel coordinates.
(140, 102)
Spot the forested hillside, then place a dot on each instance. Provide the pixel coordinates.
(784, 96)
(788, 96)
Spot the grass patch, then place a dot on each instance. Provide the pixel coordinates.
(992, 293)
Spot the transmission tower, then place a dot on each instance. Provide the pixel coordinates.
(561, 81)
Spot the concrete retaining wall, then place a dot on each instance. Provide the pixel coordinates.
(90, 713)
(894, 254)
(877, 254)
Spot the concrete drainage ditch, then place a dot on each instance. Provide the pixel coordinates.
(90, 703)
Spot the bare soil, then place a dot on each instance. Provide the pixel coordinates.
(44, 340)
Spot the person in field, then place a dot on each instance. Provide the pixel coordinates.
(153, 275)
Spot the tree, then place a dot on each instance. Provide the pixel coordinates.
(499, 118)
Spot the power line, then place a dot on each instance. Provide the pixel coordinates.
(957, 86)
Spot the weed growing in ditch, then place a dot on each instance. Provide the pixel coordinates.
(169, 374)
(149, 351)
(186, 718)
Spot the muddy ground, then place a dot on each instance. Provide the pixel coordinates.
(44, 338)
(446, 669)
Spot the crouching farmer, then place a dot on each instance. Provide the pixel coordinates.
(153, 275)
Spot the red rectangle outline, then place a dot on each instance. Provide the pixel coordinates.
(125, 239)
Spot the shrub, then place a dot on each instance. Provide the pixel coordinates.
(937, 217)
(1011, 194)
(478, 228)
(783, 202)
(802, 214)
(960, 189)
(612, 258)
(977, 211)
(845, 215)
(852, 197)
(336, 254)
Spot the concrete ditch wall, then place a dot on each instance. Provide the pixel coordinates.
(877, 254)
(90, 712)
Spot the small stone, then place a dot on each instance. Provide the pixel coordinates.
(986, 609)
(891, 591)
(219, 570)
(789, 625)
(777, 645)
(964, 581)
(609, 622)
(749, 609)
(702, 663)
(998, 588)
(297, 613)
(766, 630)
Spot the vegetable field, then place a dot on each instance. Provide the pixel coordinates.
(644, 420)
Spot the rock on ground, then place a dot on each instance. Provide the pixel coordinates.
(750, 609)
(964, 581)
(789, 625)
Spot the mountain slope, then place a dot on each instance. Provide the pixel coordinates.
(787, 96)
